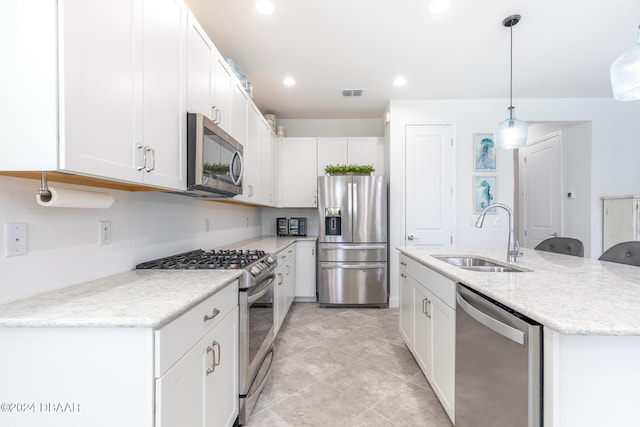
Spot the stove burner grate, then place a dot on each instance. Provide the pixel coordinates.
(225, 259)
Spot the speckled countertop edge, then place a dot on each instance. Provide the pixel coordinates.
(573, 295)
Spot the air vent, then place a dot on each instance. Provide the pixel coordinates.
(352, 92)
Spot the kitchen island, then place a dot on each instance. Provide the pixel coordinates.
(591, 316)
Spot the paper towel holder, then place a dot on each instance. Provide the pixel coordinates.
(43, 192)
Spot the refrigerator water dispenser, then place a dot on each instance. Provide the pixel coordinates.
(332, 222)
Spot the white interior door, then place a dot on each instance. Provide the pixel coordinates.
(542, 198)
(429, 185)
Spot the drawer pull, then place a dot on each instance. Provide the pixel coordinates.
(214, 314)
(214, 362)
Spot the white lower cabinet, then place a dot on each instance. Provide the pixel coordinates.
(285, 285)
(202, 388)
(305, 287)
(427, 324)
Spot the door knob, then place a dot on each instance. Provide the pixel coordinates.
(410, 237)
(554, 234)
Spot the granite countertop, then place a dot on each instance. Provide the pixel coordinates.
(573, 295)
(137, 298)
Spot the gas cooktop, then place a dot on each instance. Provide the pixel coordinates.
(226, 259)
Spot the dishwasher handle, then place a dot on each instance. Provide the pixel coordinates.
(495, 325)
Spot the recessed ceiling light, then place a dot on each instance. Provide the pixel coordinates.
(288, 81)
(400, 81)
(265, 7)
(439, 6)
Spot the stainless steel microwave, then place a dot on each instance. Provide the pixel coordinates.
(214, 160)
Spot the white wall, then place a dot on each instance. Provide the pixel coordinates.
(63, 243)
(331, 127)
(615, 135)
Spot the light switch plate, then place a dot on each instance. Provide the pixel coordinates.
(15, 239)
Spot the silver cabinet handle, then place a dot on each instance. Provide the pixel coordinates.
(279, 279)
(424, 306)
(214, 362)
(141, 149)
(402, 263)
(404, 276)
(428, 313)
(288, 269)
(213, 314)
(218, 116)
(152, 161)
(313, 251)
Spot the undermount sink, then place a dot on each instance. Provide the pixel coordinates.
(477, 264)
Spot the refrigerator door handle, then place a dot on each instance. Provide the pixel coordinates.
(349, 201)
(353, 247)
(367, 265)
(354, 202)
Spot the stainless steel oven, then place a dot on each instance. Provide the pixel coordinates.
(256, 341)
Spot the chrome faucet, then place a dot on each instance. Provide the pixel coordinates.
(513, 247)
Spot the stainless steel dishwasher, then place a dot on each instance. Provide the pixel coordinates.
(498, 364)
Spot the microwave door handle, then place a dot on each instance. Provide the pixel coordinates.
(238, 157)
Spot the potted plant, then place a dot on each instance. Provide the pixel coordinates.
(349, 169)
(216, 168)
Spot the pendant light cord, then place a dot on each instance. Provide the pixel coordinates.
(511, 75)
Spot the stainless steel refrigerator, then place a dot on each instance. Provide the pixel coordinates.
(352, 242)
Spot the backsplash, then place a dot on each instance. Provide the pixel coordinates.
(63, 244)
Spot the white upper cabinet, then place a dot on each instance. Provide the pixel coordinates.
(238, 111)
(331, 151)
(120, 90)
(269, 165)
(200, 56)
(299, 177)
(222, 92)
(352, 150)
(164, 94)
(251, 180)
(366, 151)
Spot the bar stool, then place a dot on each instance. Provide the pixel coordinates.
(562, 245)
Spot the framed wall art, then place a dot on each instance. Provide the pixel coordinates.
(484, 153)
(484, 191)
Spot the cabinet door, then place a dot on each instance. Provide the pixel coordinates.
(270, 166)
(299, 177)
(251, 180)
(199, 69)
(406, 309)
(422, 327)
(443, 320)
(99, 82)
(201, 389)
(221, 386)
(305, 287)
(364, 151)
(180, 399)
(238, 109)
(164, 60)
(331, 151)
(291, 275)
(222, 92)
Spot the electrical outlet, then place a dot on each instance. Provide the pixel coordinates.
(104, 233)
(15, 239)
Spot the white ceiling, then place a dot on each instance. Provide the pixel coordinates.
(562, 48)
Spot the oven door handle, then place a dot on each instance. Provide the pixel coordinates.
(265, 289)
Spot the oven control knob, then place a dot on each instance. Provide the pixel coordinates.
(271, 259)
(256, 269)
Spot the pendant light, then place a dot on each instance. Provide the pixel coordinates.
(625, 74)
(511, 133)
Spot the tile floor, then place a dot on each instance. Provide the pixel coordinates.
(345, 367)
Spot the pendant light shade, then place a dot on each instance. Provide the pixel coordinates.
(511, 133)
(625, 75)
